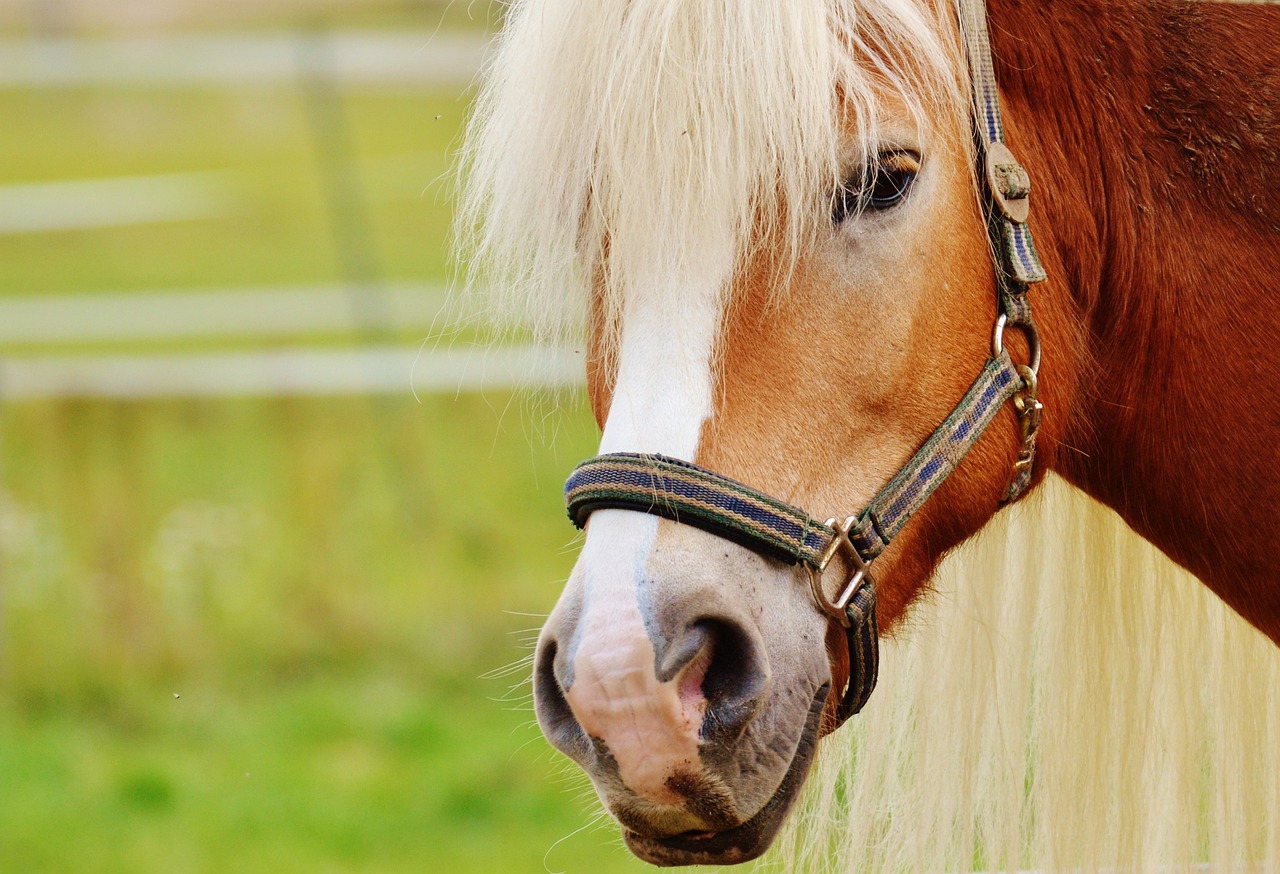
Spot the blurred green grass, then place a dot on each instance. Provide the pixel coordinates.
(279, 230)
(273, 634)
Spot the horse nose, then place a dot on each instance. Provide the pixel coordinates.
(552, 677)
(720, 661)
(636, 697)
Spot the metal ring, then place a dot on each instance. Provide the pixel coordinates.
(840, 545)
(834, 613)
(1028, 330)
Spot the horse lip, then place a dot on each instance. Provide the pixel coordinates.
(747, 841)
(740, 844)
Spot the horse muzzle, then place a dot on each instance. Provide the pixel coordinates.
(686, 688)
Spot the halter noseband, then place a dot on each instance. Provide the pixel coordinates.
(686, 493)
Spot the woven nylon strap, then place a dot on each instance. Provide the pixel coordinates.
(684, 492)
(1006, 179)
(863, 635)
(1007, 205)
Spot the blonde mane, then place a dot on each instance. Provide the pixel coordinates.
(612, 137)
(1067, 700)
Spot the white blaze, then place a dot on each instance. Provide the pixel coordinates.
(661, 398)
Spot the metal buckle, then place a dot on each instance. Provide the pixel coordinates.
(1009, 182)
(840, 544)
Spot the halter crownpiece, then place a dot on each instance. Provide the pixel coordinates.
(692, 495)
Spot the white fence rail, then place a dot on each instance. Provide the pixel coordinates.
(394, 370)
(92, 323)
(59, 346)
(77, 204)
(413, 60)
(241, 313)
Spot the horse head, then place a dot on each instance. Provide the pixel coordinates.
(774, 218)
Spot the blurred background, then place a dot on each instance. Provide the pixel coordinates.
(274, 534)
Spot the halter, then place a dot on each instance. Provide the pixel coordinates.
(686, 493)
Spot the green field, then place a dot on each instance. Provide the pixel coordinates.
(273, 634)
(283, 636)
(278, 229)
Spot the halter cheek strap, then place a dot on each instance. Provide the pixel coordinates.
(1007, 205)
(692, 495)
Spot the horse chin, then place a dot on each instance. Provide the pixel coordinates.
(747, 841)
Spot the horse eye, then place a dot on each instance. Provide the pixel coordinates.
(879, 188)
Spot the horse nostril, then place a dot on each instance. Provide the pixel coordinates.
(552, 708)
(734, 674)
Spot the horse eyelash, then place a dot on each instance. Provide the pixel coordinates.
(876, 190)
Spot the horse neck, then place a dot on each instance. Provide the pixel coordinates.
(1153, 133)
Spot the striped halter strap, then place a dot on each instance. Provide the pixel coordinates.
(692, 495)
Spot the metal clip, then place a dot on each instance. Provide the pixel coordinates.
(1030, 411)
(842, 545)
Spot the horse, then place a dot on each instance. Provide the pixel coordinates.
(789, 237)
